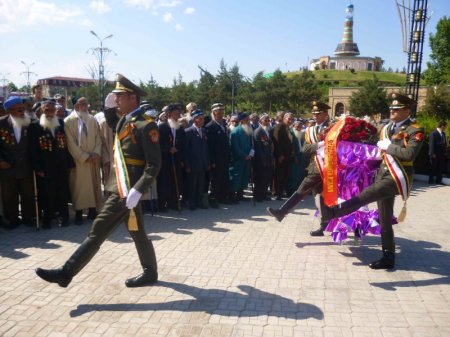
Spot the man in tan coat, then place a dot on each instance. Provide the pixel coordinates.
(85, 145)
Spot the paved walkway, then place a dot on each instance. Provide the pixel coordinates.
(236, 272)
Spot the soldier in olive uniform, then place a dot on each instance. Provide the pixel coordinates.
(400, 143)
(137, 158)
(314, 140)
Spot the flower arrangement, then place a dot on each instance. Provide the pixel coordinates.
(359, 131)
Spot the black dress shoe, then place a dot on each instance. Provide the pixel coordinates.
(78, 218)
(148, 277)
(279, 215)
(386, 262)
(54, 276)
(317, 232)
(92, 213)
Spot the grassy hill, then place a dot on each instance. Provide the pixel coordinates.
(344, 78)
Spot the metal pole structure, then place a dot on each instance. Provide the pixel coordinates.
(28, 73)
(413, 23)
(4, 81)
(101, 69)
(232, 95)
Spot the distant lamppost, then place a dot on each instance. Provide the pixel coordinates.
(99, 52)
(4, 81)
(232, 95)
(28, 73)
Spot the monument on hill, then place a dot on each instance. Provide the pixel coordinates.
(346, 53)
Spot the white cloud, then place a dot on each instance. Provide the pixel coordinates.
(16, 14)
(168, 17)
(189, 10)
(153, 4)
(178, 27)
(99, 6)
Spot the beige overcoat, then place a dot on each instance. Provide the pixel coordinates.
(84, 179)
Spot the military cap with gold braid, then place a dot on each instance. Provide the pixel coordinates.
(318, 107)
(400, 101)
(123, 84)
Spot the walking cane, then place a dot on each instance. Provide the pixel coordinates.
(174, 171)
(36, 201)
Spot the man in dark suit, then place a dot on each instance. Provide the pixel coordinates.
(137, 159)
(16, 175)
(437, 152)
(219, 156)
(313, 141)
(263, 159)
(171, 141)
(51, 161)
(400, 144)
(283, 143)
(196, 160)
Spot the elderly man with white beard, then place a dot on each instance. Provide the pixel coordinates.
(171, 142)
(16, 176)
(51, 162)
(241, 155)
(85, 145)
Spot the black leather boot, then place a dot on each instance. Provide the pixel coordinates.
(63, 276)
(386, 262)
(148, 277)
(280, 213)
(319, 231)
(54, 276)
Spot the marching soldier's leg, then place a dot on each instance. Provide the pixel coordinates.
(386, 212)
(112, 214)
(146, 253)
(303, 190)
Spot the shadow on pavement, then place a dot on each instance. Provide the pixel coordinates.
(251, 303)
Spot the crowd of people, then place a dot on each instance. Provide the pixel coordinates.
(51, 157)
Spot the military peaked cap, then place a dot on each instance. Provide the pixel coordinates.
(399, 101)
(123, 84)
(318, 107)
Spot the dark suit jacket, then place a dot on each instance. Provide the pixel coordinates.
(166, 143)
(196, 153)
(49, 154)
(283, 146)
(262, 144)
(218, 144)
(438, 144)
(16, 154)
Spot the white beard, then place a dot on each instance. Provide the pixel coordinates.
(247, 128)
(297, 133)
(49, 123)
(265, 128)
(83, 115)
(19, 122)
(173, 124)
(231, 127)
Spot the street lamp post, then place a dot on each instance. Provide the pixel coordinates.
(4, 81)
(101, 70)
(232, 95)
(28, 73)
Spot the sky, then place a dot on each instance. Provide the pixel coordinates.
(161, 39)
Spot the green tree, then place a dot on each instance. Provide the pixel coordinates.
(301, 90)
(437, 103)
(370, 99)
(181, 92)
(439, 67)
(205, 90)
(157, 96)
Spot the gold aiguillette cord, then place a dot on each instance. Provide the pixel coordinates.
(132, 221)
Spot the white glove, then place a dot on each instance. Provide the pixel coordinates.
(251, 153)
(133, 198)
(383, 144)
(320, 145)
(110, 101)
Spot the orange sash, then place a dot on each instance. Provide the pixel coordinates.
(330, 171)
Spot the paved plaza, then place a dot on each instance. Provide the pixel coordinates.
(235, 272)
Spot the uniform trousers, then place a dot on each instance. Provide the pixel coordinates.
(383, 191)
(113, 213)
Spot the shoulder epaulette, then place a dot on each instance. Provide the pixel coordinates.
(416, 125)
(148, 118)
